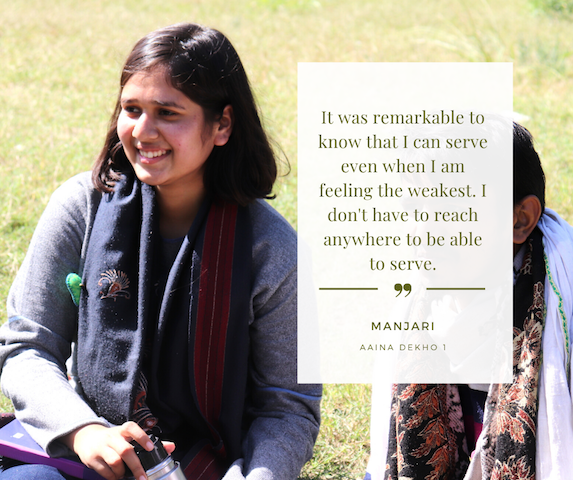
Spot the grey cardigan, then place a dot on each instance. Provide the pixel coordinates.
(36, 344)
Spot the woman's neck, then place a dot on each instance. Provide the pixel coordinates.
(177, 209)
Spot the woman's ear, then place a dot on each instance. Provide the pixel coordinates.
(526, 214)
(224, 126)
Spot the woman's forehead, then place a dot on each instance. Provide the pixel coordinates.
(154, 86)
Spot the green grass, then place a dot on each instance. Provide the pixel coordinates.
(58, 82)
(343, 443)
(553, 6)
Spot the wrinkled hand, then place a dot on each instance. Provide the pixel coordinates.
(107, 450)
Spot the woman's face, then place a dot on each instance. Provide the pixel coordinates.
(164, 133)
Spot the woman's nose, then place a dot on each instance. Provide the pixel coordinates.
(145, 128)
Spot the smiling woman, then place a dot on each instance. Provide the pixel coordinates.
(167, 140)
(185, 324)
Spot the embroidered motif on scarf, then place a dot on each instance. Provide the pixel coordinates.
(114, 284)
(141, 414)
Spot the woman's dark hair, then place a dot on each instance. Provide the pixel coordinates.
(528, 176)
(201, 63)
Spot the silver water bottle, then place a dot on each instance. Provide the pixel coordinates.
(158, 464)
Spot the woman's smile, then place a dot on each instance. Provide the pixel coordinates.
(152, 154)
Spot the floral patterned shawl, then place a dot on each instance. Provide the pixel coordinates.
(427, 437)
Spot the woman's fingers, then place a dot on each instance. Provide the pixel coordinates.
(110, 461)
(169, 447)
(121, 453)
(103, 469)
(132, 431)
(107, 450)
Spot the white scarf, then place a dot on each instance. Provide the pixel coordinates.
(554, 439)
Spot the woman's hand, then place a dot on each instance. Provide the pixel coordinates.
(107, 450)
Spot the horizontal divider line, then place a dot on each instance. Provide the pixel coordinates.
(348, 288)
(455, 288)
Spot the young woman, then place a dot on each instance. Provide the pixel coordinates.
(168, 283)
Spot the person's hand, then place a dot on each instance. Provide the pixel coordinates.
(107, 450)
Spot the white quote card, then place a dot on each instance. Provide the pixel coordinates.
(405, 197)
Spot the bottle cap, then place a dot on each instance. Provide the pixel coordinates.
(150, 459)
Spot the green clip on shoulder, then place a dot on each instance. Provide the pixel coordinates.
(74, 284)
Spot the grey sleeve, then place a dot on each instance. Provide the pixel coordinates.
(285, 415)
(42, 321)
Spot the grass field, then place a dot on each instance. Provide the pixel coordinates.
(58, 82)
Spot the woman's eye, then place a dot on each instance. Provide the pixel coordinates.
(167, 113)
(130, 109)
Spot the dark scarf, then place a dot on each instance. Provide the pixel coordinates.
(213, 267)
(508, 450)
(427, 437)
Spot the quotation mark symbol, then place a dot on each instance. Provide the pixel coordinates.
(406, 287)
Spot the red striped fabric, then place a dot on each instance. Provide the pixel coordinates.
(213, 308)
(204, 466)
